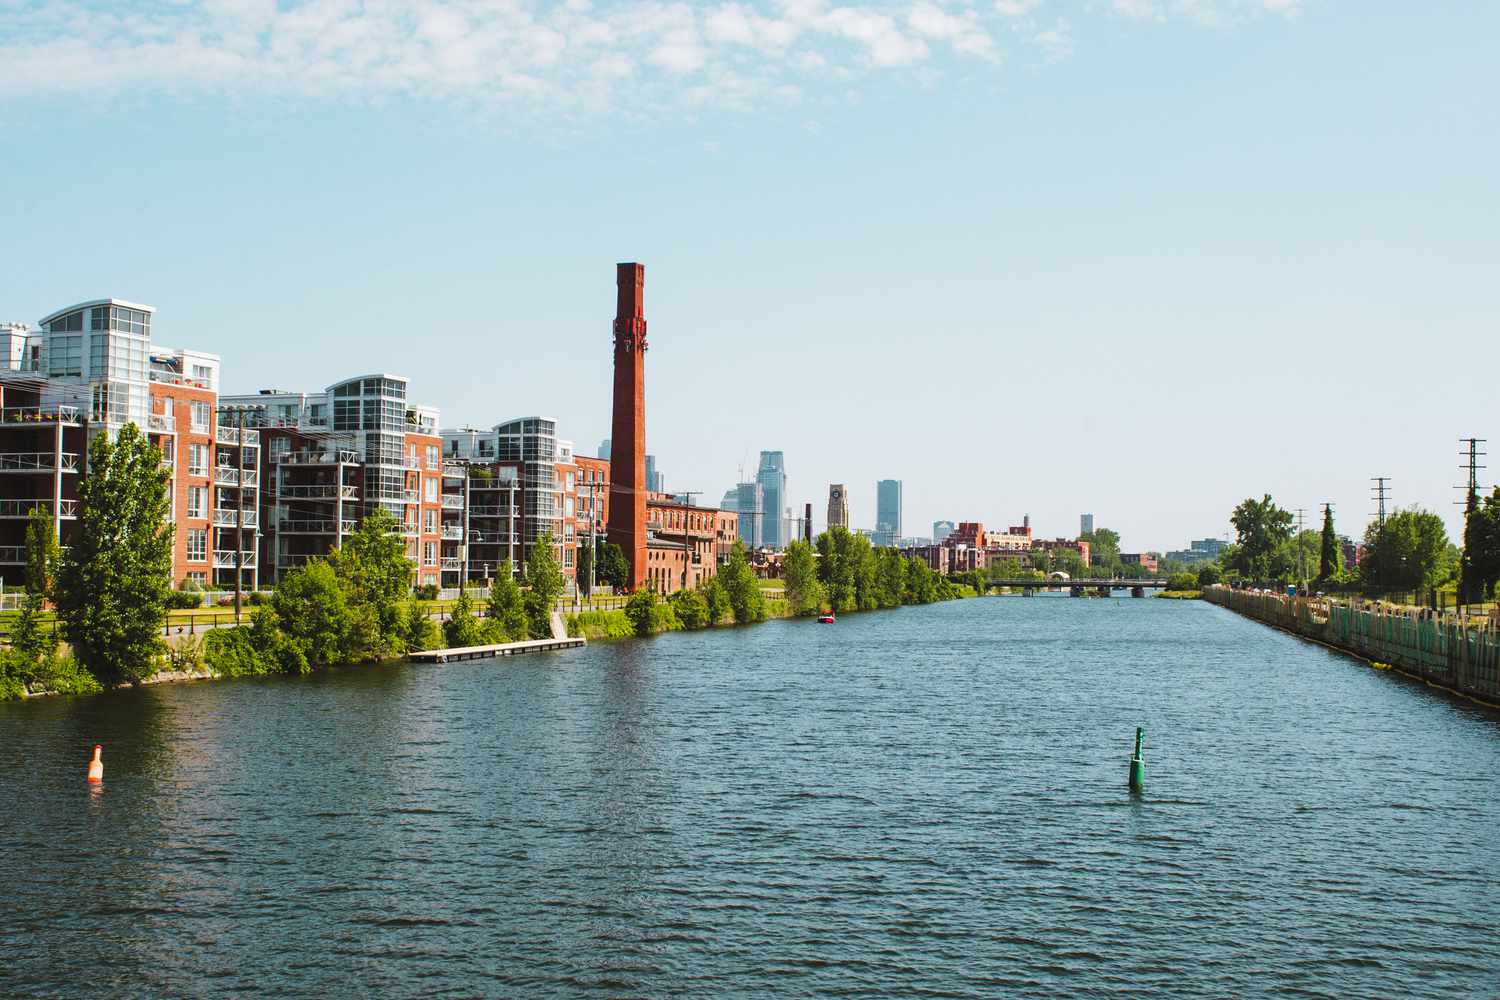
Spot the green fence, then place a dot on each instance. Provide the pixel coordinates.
(1447, 649)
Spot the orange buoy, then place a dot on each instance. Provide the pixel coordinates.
(96, 766)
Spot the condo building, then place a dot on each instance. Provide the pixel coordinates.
(92, 368)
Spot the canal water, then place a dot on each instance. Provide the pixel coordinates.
(922, 802)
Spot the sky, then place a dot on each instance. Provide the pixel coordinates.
(1137, 258)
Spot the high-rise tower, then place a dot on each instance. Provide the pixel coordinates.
(627, 464)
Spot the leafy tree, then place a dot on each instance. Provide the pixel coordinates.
(1480, 567)
(375, 574)
(691, 608)
(42, 552)
(111, 587)
(1299, 553)
(463, 627)
(418, 630)
(804, 594)
(1262, 529)
(1104, 546)
(1182, 581)
(1407, 552)
(584, 574)
(641, 609)
(837, 568)
(614, 569)
(921, 582)
(313, 614)
(1208, 575)
(715, 598)
(546, 584)
(746, 601)
(1330, 554)
(507, 606)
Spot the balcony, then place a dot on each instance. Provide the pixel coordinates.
(452, 564)
(318, 492)
(55, 414)
(333, 456)
(22, 508)
(226, 518)
(410, 496)
(313, 526)
(231, 437)
(38, 461)
(451, 502)
(228, 475)
(160, 423)
(224, 558)
(500, 512)
(453, 533)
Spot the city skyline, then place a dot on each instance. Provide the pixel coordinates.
(1130, 286)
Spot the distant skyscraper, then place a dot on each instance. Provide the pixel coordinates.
(731, 499)
(838, 506)
(888, 512)
(655, 481)
(749, 500)
(1085, 524)
(941, 530)
(772, 478)
(604, 449)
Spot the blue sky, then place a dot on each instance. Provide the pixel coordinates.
(1141, 258)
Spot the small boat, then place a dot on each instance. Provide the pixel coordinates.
(826, 618)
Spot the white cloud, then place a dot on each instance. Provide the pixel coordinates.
(540, 54)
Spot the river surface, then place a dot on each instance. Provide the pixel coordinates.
(927, 802)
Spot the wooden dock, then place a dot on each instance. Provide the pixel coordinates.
(498, 649)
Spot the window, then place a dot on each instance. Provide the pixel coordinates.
(197, 501)
(430, 484)
(197, 545)
(204, 374)
(433, 456)
(429, 553)
(200, 418)
(197, 459)
(166, 407)
(568, 507)
(429, 521)
(571, 483)
(65, 356)
(199, 577)
(567, 557)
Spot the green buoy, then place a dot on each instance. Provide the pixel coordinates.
(1137, 765)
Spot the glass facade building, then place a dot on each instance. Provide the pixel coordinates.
(772, 479)
(887, 512)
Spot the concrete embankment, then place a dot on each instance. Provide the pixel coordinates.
(1461, 655)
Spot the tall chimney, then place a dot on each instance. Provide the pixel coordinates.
(627, 466)
(807, 523)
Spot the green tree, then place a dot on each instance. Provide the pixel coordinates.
(507, 606)
(313, 614)
(418, 630)
(837, 569)
(375, 574)
(584, 574)
(463, 627)
(1330, 553)
(804, 594)
(1262, 529)
(1208, 575)
(546, 583)
(746, 602)
(1480, 566)
(1409, 552)
(1104, 546)
(691, 608)
(614, 569)
(42, 552)
(641, 609)
(111, 588)
(715, 598)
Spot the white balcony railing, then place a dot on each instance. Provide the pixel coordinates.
(226, 518)
(318, 492)
(38, 461)
(333, 456)
(313, 526)
(228, 475)
(22, 508)
(39, 414)
(452, 563)
(451, 502)
(160, 423)
(453, 532)
(231, 437)
(224, 558)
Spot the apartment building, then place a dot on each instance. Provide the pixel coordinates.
(92, 368)
(330, 458)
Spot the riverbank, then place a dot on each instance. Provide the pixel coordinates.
(1460, 655)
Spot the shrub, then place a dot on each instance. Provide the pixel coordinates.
(1182, 581)
(418, 630)
(67, 676)
(185, 655)
(600, 625)
(538, 614)
(641, 610)
(1208, 575)
(425, 592)
(664, 618)
(462, 628)
(691, 608)
(257, 598)
(230, 652)
(182, 599)
(716, 599)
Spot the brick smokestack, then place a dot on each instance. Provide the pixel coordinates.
(627, 459)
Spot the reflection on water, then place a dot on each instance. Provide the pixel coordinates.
(929, 800)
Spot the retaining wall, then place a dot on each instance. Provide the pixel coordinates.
(1458, 653)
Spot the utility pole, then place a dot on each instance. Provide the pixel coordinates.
(1382, 493)
(1301, 553)
(1470, 454)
